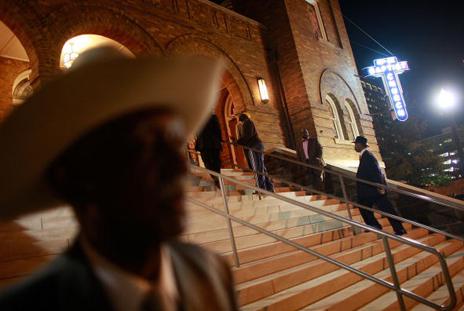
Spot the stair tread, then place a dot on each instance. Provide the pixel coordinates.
(316, 261)
(441, 295)
(324, 279)
(390, 298)
(343, 297)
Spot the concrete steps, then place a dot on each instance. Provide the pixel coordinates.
(362, 293)
(272, 274)
(362, 242)
(32, 241)
(311, 282)
(441, 296)
(423, 284)
(292, 279)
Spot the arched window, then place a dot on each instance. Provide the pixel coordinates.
(352, 126)
(21, 87)
(76, 45)
(335, 116)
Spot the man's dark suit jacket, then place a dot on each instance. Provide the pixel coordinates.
(203, 279)
(314, 151)
(369, 170)
(210, 136)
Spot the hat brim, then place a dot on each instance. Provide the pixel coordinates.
(55, 116)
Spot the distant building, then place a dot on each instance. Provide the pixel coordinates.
(382, 116)
(444, 146)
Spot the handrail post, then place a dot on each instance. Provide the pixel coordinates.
(348, 207)
(345, 196)
(229, 222)
(448, 281)
(391, 265)
(254, 169)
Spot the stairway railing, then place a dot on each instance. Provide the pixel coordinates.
(339, 174)
(396, 286)
(345, 199)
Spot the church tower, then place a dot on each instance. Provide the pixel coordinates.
(321, 88)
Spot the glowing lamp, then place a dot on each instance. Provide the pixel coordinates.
(263, 93)
(446, 100)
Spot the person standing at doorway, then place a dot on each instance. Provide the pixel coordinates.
(368, 195)
(311, 153)
(209, 145)
(248, 137)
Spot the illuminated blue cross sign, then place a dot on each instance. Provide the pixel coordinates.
(388, 69)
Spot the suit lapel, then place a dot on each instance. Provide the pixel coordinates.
(197, 279)
(185, 282)
(80, 288)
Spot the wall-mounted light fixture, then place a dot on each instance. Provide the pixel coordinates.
(263, 90)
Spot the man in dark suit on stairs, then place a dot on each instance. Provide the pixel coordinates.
(311, 153)
(369, 195)
(108, 137)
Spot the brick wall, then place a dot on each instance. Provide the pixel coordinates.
(161, 27)
(9, 69)
(299, 67)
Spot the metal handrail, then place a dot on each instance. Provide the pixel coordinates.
(348, 202)
(396, 286)
(338, 174)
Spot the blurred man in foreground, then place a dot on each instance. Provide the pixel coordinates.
(108, 138)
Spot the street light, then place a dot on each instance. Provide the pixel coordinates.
(447, 102)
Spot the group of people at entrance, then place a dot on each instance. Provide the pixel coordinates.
(368, 170)
(209, 144)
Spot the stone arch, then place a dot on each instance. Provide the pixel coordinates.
(333, 82)
(24, 23)
(333, 86)
(77, 45)
(98, 20)
(235, 91)
(233, 80)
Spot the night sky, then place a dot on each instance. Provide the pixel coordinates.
(428, 34)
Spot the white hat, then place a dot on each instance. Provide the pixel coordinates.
(96, 91)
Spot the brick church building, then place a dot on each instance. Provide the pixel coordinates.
(299, 48)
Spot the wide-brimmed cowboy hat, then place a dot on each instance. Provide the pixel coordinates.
(104, 85)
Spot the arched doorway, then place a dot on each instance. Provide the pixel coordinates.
(226, 110)
(14, 70)
(76, 45)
